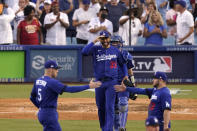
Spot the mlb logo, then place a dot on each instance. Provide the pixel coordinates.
(163, 63)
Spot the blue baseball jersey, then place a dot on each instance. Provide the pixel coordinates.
(160, 100)
(45, 92)
(106, 61)
(128, 58)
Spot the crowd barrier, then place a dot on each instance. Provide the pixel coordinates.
(26, 63)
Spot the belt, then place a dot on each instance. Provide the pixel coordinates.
(104, 79)
(50, 107)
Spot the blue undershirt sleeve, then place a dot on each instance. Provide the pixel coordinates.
(88, 49)
(73, 89)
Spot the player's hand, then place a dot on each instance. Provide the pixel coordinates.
(120, 88)
(93, 84)
(96, 40)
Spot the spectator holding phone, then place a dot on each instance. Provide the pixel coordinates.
(81, 18)
(154, 30)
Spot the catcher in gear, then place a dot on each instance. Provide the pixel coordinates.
(121, 106)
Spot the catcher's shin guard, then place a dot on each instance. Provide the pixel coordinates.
(123, 108)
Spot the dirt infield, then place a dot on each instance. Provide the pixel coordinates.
(85, 109)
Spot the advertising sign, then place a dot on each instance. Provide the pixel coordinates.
(67, 59)
(12, 66)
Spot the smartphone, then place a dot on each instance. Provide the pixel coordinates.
(1, 8)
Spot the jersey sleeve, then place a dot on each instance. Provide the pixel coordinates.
(142, 91)
(33, 96)
(73, 89)
(166, 101)
(56, 86)
(88, 49)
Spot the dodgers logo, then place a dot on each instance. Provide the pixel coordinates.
(104, 57)
(153, 97)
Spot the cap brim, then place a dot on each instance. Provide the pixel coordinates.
(58, 67)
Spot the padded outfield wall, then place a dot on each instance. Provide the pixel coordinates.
(26, 63)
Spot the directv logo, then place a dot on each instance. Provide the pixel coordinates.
(151, 64)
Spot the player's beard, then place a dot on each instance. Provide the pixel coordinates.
(156, 84)
(105, 44)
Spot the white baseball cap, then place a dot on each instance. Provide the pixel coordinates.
(47, 1)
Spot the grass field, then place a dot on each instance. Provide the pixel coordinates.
(23, 91)
(33, 125)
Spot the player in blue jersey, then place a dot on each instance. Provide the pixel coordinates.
(121, 106)
(45, 93)
(107, 59)
(160, 104)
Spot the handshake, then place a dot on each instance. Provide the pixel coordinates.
(126, 83)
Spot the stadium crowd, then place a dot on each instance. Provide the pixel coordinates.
(62, 22)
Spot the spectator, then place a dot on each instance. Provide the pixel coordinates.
(146, 14)
(195, 25)
(185, 24)
(5, 27)
(136, 28)
(19, 16)
(11, 3)
(56, 23)
(30, 3)
(116, 10)
(95, 7)
(99, 24)
(171, 19)
(29, 31)
(154, 30)
(68, 7)
(188, 5)
(195, 10)
(46, 10)
(81, 18)
(162, 6)
(134, 4)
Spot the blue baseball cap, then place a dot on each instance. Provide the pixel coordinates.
(51, 64)
(181, 2)
(86, 2)
(160, 75)
(152, 121)
(117, 38)
(104, 34)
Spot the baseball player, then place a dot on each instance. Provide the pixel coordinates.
(121, 106)
(45, 93)
(106, 60)
(152, 124)
(160, 104)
